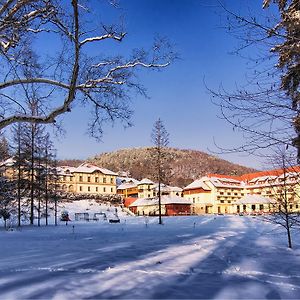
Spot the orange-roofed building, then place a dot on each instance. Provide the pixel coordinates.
(257, 192)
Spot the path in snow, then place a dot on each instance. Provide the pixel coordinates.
(220, 257)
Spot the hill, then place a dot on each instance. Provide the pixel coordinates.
(186, 165)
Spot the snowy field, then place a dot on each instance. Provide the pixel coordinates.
(215, 257)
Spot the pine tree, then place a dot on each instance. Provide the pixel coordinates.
(4, 148)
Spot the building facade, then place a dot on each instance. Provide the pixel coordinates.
(261, 192)
(87, 179)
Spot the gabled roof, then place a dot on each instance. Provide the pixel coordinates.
(121, 180)
(126, 185)
(197, 184)
(88, 168)
(145, 181)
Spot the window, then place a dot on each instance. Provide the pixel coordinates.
(229, 201)
(221, 193)
(96, 179)
(253, 206)
(71, 178)
(222, 201)
(228, 193)
(89, 179)
(80, 178)
(80, 188)
(235, 194)
(89, 189)
(291, 206)
(111, 189)
(96, 189)
(261, 207)
(104, 189)
(296, 205)
(112, 180)
(104, 179)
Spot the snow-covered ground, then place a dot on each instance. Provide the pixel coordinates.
(212, 257)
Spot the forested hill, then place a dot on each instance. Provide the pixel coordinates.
(186, 165)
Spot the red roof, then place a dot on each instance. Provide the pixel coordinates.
(250, 176)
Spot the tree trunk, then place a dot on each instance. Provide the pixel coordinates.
(32, 178)
(19, 178)
(159, 204)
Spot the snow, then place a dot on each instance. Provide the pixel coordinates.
(198, 183)
(215, 257)
(145, 181)
(126, 185)
(164, 200)
(88, 168)
(255, 199)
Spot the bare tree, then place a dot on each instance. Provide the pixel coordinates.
(285, 193)
(69, 73)
(266, 108)
(160, 140)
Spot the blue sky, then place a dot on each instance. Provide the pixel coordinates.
(177, 95)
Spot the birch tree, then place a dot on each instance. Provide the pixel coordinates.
(75, 71)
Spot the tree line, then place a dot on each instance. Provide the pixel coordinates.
(28, 180)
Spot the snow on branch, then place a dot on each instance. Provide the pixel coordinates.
(69, 74)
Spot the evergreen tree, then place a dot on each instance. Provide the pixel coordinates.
(4, 148)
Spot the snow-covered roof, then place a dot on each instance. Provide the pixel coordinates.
(255, 199)
(88, 168)
(164, 200)
(226, 182)
(145, 181)
(126, 185)
(121, 180)
(289, 174)
(8, 162)
(262, 178)
(65, 170)
(230, 180)
(199, 183)
(167, 188)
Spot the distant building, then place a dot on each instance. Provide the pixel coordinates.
(170, 206)
(87, 179)
(250, 193)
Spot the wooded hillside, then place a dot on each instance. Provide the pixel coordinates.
(186, 165)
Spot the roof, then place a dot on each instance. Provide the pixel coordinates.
(88, 168)
(226, 182)
(145, 181)
(121, 180)
(65, 170)
(167, 188)
(126, 185)
(8, 162)
(164, 200)
(199, 183)
(255, 199)
(258, 176)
